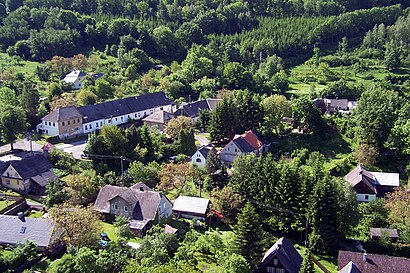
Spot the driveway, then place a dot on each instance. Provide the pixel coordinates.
(76, 148)
(201, 138)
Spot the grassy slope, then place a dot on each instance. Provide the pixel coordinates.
(25, 67)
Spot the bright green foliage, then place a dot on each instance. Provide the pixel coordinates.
(275, 107)
(307, 264)
(122, 230)
(392, 56)
(307, 116)
(12, 123)
(375, 115)
(236, 264)
(372, 214)
(248, 235)
(147, 174)
(21, 253)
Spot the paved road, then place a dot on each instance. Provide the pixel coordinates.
(22, 144)
(75, 148)
(202, 139)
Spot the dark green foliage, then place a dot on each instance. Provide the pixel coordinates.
(324, 220)
(186, 142)
(56, 193)
(306, 116)
(248, 235)
(12, 123)
(22, 253)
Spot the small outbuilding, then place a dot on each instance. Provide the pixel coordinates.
(191, 207)
(377, 233)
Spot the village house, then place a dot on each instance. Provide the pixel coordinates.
(354, 262)
(140, 204)
(332, 106)
(193, 109)
(158, 119)
(30, 175)
(370, 185)
(282, 257)
(71, 121)
(248, 143)
(74, 78)
(200, 156)
(18, 229)
(191, 207)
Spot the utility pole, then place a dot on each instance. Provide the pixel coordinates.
(109, 157)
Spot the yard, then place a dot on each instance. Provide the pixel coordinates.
(110, 230)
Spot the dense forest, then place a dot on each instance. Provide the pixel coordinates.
(267, 61)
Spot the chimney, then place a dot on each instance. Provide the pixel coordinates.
(365, 257)
(20, 215)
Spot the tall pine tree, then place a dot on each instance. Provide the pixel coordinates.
(248, 235)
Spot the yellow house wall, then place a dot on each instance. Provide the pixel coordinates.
(13, 183)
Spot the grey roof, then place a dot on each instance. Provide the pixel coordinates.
(160, 117)
(191, 204)
(169, 229)
(350, 268)
(44, 178)
(62, 114)
(123, 106)
(32, 166)
(373, 263)
(138, 224)
(359, 174)
(243, 145)
(378, 232)
(13, 230)
(3, 166)
(286, 253)
(144, 203)
(194, 108)
(204, 150)
(387, 179)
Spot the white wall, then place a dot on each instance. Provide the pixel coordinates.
(198, 156)
(50, 129)
(362, 197)
(164, 209)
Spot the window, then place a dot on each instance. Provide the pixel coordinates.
(90, 127)
(122, 118)
(198, 160)
(228, 149)
(161, 108)
(46, 131)
(78, 120)
(63, 123)
(125, 208)
(54, 124)
(275, 262)
(109, 121)
(116, 119)
(96, 125)
(8, 174)
(139, 115)
(115, 206)
(68, 122)
(18, 182)
(73, 121)
(45, 123)
(8, 181)
(22, 229)
(135, 115)
(366, 197)
(236, 150)
(270, 269)
(101, 123)
(86, 127)
(280, 270)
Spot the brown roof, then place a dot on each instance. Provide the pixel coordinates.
(170, 230)
(144, 203)
(374, 263)
(359, 174)
(378, 232)
(160, 117)
(62, 114)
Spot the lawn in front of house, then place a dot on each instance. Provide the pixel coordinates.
(110, 230)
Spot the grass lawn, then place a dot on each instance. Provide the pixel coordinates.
(25, 67)
(4, 204)
(110, 230)
(35, 214)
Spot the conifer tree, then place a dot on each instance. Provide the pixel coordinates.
(186, 142)
(213, 163)
(248, 235)
(324, 217)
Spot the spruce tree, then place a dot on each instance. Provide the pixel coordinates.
(324, 217)
(248, 235)
(186, 142)
(213, 163)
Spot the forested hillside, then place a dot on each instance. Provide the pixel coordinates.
(273, 64)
